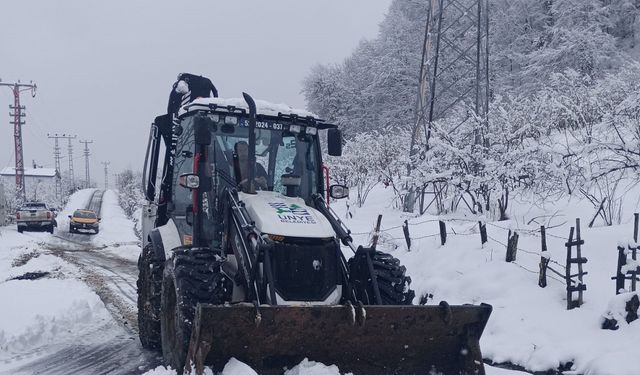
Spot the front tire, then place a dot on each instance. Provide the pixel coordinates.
(149, 291)
(390, 275)
(192, 276)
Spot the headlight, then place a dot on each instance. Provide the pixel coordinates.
(231, 120)
(295, 128)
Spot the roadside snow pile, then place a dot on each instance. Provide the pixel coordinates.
(622, 311)
(116, 230)
(45, 311)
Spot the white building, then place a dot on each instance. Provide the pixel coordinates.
(40, 183)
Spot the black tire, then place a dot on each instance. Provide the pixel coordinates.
(149, 288)
(20, 230)
(97, 231)
(50, 230)
(192, 276)
(390, 275)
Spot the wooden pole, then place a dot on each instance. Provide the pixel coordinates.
(544, 258)
(620, 277)
(636, 219)
(483, 232)
(405, 230)
(579, 256)
(376, 233)
(443, 232)
(512, 246)
(568, 270)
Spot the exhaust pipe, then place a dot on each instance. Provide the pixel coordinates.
(252, 142)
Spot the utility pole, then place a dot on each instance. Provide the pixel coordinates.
(70, 153)
(17, 115)
(56, 155)
(56, 158)
(454, 76)
(86, 163)
(106, 173)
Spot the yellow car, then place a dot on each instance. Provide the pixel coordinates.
(85, 220)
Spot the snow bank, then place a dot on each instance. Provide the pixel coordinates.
(45, 311)
(116, 230)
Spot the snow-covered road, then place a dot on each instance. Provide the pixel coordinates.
(100, 269)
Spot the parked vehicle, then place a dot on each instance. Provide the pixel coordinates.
(84, 220)
(35, 216)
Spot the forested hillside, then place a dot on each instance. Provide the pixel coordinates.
(563, 118)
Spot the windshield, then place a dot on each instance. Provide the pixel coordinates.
(278, 153)
(84, 215)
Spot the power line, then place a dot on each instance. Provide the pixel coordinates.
(87, 176)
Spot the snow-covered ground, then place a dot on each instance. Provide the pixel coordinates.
(530, 326)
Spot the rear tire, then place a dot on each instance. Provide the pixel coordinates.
(20, 230)
(51, 229)
(390, 274)
(192, 276)
(149, 291)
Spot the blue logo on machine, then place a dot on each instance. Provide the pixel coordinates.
(292, 213)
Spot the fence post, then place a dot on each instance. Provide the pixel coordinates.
(512, 246)
(579, 258)
(405, 230)
(636, 218)
(443, 232)
(634, 272)
(483, 232)
(568, 270)
(376, 233)
(544, 259)
(620, 277)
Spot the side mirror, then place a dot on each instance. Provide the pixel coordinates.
(69, 216)
(334, 142)
(99, 218)
(202, 135)
(338, 191)
(189, 181)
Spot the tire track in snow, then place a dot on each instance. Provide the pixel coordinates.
(109, 349)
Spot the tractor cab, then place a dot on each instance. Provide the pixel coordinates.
(215, 145)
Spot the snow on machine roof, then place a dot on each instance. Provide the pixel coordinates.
(262, 107)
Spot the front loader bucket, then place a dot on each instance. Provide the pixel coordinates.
(365, 341)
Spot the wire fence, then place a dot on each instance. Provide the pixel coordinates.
(545, 261)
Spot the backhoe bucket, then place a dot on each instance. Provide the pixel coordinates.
(365, 341)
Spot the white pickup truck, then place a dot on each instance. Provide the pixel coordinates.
(35, 216)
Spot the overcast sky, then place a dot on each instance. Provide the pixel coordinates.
(104, 69)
